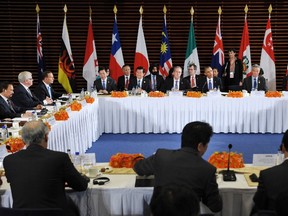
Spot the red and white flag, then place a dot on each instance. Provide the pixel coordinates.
(90, 68)
(244, 51)
(267, 61)
(287, 70)
(141, 55)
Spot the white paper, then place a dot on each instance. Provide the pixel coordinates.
(264, 159)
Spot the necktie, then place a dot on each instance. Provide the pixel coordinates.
(138, 84)
(209, 84)
(255, 84)
(103, 84)
(30, 93)
(154, 83)
(10, 106)
(49, 91)
(192, 82)
(176, 85)
(126, 83)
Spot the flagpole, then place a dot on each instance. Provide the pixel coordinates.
(270, 10)
(192, 13)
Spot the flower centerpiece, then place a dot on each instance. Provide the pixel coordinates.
(61, 115)
(235, 94)
(156, 94)
(120, 160)
(75, 106)
(89, 99)
(194, 94)
(273, 94)
(119, 94)
(220, 160)
(14, 144)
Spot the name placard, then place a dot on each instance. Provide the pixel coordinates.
(264, 159)
(257, 94)
(214, 94)
(51, 120)
(175, 93)
(83, 102)
(68, 110)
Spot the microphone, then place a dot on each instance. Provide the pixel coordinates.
(229, 175)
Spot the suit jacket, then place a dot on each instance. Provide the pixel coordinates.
(46, 171)
(272, 185)
(121, 83)
(6, 112)
(41, 92)
(285, 83)
(247, 84)
(110, 85)
(22, 98)
(159, 82)
(216, 84)
(146, 85)
(183, 167)
(238, 73)
(199, 82)
(169, 83)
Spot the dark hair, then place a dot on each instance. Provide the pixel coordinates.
(175, 201)
(140, 68)
(285, 140)
(194, 133)
(154, 65)
(102, 68)
(194, 65)
(45, 74)
(4, 85)
(125, 66)
(232, 50)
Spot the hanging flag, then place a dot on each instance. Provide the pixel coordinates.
(40, 57)
(90, 68)
(191, 51)
(66, 68)
(165, 54)
(116, 55)
(287, 70)
(218, 50)
(141, 55)
(244, 51)
(267, 60)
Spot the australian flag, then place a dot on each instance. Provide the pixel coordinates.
(165, 54)
(40, 57)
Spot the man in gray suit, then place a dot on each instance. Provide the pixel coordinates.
(255, 82)
(185, 166)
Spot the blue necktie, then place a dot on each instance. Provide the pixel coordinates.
(138, 85)
(176, 85)
(103, 84)
(49, 91)
(255, 84)
(209, 85)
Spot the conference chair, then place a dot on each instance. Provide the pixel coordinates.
(30, 212)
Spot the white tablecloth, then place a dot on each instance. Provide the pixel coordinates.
(170, 114)
(78, 132)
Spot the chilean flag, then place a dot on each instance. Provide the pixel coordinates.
(141, 55)
(218, 50)
(116, 55)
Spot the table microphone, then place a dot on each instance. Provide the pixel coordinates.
(229, 175)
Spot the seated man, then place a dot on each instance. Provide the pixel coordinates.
(124, 82)
(141, 82)
(155, 78)
(44, 89)
(185, 166)
(37, 175)
(210, 82)
(105, 84)
(285, 83)
(193, 79)
(272, 187)
(7, 108)
(23, 96)
(176, 83)
(255, 82)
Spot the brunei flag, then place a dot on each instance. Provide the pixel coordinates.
(66, 69)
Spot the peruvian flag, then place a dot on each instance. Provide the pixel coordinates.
(267, 61)
(244, 51)
(141, 55)
(90, 68)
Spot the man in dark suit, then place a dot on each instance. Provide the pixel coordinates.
(193, 79)
(105, 84)
(156, 80)
(23, 96)
(255, 82)
(285, 83)
(44, 89)
(124, 82)
(210, 82)
(176, 83)
(7, 108)
(185, 166)
(141, 82)
(37, 176)
(273, 188)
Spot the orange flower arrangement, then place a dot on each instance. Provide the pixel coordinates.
(14, 144)
(194, 94)
(124, 160)
(235, 94)
(89, 99)
(220, 160)
(119, 94)
(273, 94)
(61, 115)
(156, 94)
(76, 106)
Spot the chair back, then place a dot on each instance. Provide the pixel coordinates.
(30, 212)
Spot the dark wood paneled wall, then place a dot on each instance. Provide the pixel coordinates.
(18, 31)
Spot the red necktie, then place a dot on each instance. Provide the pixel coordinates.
(126, 83)
(192, 82)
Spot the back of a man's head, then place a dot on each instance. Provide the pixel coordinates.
(194, 133)
(175, 201)
(285, 140)
(33, 132)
